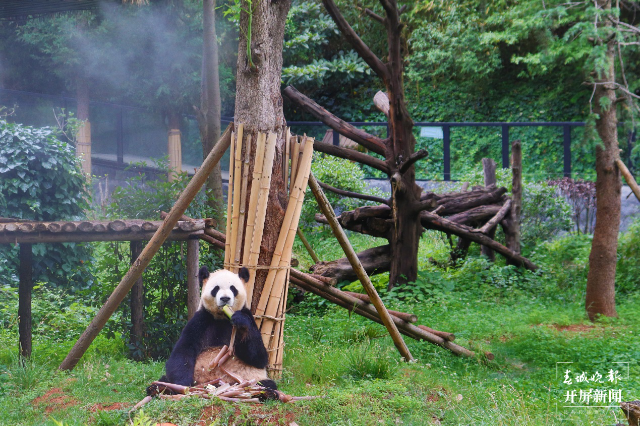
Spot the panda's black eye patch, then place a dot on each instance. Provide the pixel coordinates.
(234, 290)
(215, 291)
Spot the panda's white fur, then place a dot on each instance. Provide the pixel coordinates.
(226, 281)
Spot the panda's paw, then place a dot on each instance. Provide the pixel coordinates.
(240, 319)
(268, 383)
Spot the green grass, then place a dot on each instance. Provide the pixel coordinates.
(529, 322)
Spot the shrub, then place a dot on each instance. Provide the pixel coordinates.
(40, 179)
(339, 173)
(628, 270)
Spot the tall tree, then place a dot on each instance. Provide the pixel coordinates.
(601, 295)
(209, 112)
(598, 37)
(397, 149)
(259, 105)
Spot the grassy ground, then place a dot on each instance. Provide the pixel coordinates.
(355, 368)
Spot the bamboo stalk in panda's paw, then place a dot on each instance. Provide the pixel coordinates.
(229, 313)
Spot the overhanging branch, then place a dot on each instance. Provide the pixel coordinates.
(353, 194)
(351, 154)
(359, 46)
(359, 136)
(418, 155)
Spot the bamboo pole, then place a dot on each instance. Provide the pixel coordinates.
(327, 210)
(302, 144)
(287, 141)
(282, 252)
(261, 210)
(294, 158)
(243, 202)
(306, 244)
(275, 284)
(145, 257)
(629, 178)
(253, 198)
(237, 181)
(227, 250)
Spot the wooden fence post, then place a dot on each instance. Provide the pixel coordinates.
(193, 285)
(136, 304)
(25, 273)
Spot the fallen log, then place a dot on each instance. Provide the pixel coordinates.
(467, 200)
(439, 223)
(374, 260)
(496, 219)
(447, 336)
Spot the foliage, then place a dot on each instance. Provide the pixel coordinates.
(628, 269)
(40, 179)
(341, 174)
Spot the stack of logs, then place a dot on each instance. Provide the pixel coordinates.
(471, 215)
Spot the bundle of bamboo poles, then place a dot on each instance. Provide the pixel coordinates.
(246, 214)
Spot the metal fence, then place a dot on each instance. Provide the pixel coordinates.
(122, 134)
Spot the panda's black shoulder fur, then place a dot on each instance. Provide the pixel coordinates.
(204, 331)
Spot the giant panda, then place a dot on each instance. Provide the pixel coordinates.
(210, 329)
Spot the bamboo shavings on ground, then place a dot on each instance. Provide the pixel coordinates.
(245, 392)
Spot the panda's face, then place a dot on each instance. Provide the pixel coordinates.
(224, 288)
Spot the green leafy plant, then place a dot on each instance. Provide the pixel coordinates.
(40, 179)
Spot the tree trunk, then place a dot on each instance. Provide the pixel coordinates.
(489, 170)
(405, 241)
(259, 107)
(209, 112)
(600, 298)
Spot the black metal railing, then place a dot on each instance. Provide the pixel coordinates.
(115, 134)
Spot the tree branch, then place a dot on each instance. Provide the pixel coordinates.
(496, 219)
(436, 222)
(353, 194)
(374, 15)
(418, 155)
(351, 154)
(356, 42)
(359, 136)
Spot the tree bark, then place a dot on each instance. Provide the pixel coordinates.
(600, 297)
(209, 112)
(511, 223)
(259, 107)
(489, 169)
(374, 260)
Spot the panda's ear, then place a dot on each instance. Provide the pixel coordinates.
(244, 274)
(203, 274)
